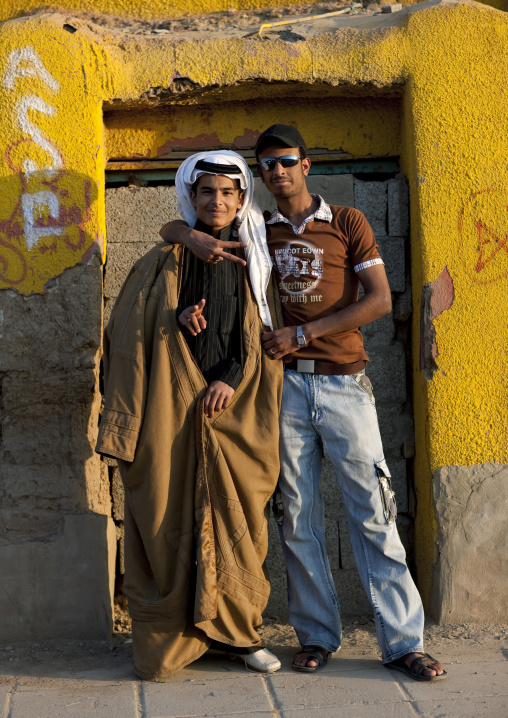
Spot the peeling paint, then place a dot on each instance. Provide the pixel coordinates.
(437, 297)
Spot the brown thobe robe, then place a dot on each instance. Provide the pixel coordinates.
(196, 489)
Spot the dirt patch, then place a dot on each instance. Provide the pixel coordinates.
(239, 20)
(50, 659)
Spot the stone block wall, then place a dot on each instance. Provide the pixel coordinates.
(54, 500)
(134, 217)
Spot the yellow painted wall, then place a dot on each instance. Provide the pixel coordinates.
(362, 127)
(51, 173)
(449, 60)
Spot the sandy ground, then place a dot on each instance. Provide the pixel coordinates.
(51, 658)
(245, 22)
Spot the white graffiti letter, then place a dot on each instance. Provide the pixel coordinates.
(36, 103)
(30, 203)
(33, 68)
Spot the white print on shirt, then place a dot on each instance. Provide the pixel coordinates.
(300, 266)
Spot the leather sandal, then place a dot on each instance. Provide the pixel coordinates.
(317, 653)
(416, 667)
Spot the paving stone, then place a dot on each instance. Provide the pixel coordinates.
(466, 680)
(371, 199)
(75, 700)
(458, 707)
(5, 690)
(365, 710)
(398, 207)
(336, 687)
(199, 697)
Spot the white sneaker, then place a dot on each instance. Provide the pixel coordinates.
(262, 661)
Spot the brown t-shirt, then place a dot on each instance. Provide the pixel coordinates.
(316, 277)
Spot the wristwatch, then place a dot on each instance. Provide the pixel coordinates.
(300, 337)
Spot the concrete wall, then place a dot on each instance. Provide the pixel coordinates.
(57, 540)
(134, 216)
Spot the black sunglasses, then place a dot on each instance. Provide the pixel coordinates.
(269, 163)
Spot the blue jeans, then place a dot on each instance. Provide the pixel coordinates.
(337, 412)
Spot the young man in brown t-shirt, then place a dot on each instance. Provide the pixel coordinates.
(320, 254)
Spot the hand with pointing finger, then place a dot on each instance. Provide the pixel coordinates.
(203, 246)
(192, 318)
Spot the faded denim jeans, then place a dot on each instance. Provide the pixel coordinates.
(338, 412)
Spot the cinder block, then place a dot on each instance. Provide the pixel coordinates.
(119, 261)
(378, 333)
(120, 533)
(371, 199)
(335, 189)
(398, 208)
(108, 308)
(347, 557)
(277, 606)
(387, 372)
(136, 214)
(330, 491)
(61, 588)
(393, 253)
(117, 495)
(396, 426)
(332, 543)
(403, 305)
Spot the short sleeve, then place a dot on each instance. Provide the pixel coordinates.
(363, 248)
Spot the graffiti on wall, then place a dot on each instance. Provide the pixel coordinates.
(483, 231)
(48, 217)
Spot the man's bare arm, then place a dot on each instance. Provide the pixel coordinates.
(204, 246)
(376, 302)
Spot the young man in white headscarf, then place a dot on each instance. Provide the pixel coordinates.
(191, 414)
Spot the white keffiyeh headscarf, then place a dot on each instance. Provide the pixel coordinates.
(250, 221)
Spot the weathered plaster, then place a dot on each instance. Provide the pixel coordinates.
(359, 126)
(470, 574)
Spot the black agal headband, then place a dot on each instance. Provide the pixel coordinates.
(215, 168)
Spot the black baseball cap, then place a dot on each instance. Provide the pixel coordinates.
(286, 135)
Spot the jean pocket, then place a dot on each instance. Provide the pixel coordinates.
(364, 383)
(385, 488)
